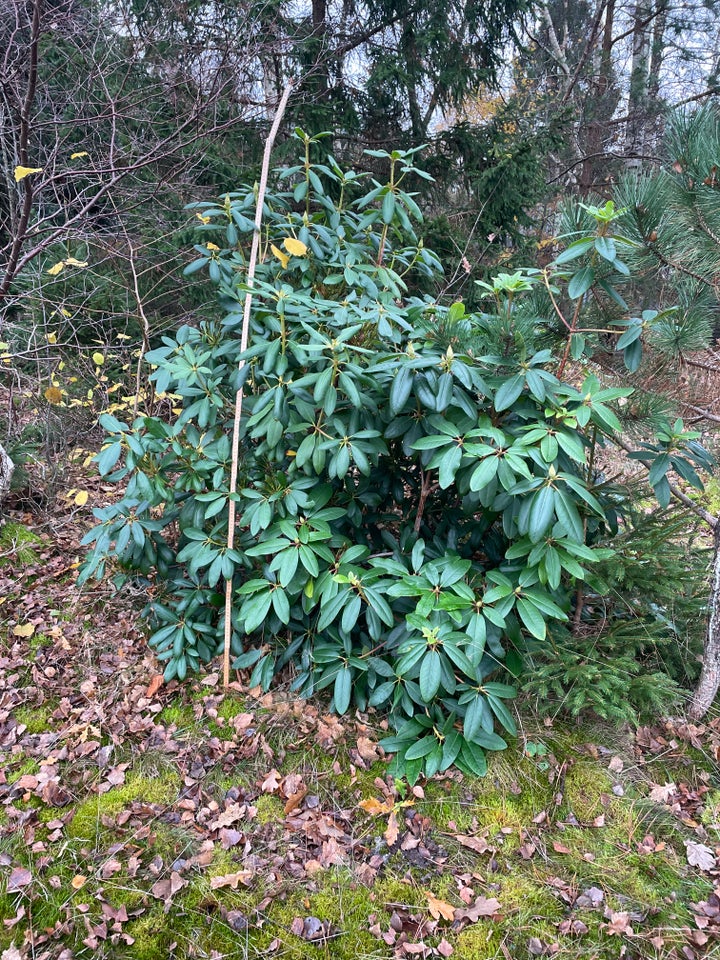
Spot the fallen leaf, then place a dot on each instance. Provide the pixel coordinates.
(26, 630)
(661, 794)
(444, 948)
(483, 907)
(295, 799)
(78, 881)
(698, 855)
(619, 924)
(560, 847)
(439, 908)
(154, 685)
(392, 831)
(478, 844)
(19, 878)
(232, 880)
(271, 783)
(376, 807)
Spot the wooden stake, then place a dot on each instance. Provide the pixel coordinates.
(243, 347)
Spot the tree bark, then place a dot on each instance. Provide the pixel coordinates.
(6, 471)
(709, 681)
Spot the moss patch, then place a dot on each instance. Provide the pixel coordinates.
(17, 544)
(87, 823)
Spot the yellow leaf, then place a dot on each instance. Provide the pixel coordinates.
(80, 153)
(56, 269)
(98, 358)
(53, 395)
(439, 908)
(51, 337)
(282, 257)
(375, 807)
(295, 248)
(81, 498)
(78, 881)
(123, 336)
(27, 630)
(212, 246)
(202, 219)
(72, 262)
(65, 313)
(22, 172)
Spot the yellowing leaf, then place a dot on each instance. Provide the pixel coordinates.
(26, 630)
(53, 395)
(22, 172)
(282, 257)
(51, 337)
(98, 358)
(65, 313)
(81, 498)
(439, 908)
(202, 219)
(295, 248)
(56, 269)
(80, 153)
(212, 246)
(72, 262)
(375, 807)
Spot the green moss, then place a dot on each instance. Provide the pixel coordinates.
(86, 824)
(37, 718)
(585, 783)
(28, 766)
(16, 545)
(153, 933)
(177, 714)
(269, 809)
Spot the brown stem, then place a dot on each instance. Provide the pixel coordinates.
(426, 488)
(571, 330)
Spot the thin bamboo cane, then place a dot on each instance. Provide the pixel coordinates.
(243, 347)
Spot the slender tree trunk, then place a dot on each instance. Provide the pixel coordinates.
(709, 682)
(6, 471)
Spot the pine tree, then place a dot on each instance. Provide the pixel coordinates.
(673, 217)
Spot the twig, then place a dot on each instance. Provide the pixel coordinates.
(243, 347)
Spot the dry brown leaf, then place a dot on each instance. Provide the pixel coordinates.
(619, 924)
(271, 783)
(154, 685)
(78, 881)
(478, 844)
(232, 880)
(295, 799)
(439, 908)
(392, 831)
(698, 855)
(560, 847)
(19, 878)
(662, 794)
(483, 907)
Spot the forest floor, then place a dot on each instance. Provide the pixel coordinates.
(147, 822)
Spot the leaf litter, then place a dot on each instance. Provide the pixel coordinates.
(83, 711)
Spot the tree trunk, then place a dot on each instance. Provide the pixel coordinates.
(6, 471)
(709, 681)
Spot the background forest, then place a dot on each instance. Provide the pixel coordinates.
(422, 431)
